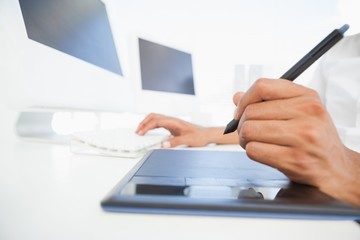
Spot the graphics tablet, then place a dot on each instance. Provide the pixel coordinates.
(218, 183)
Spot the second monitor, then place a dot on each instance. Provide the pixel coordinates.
(165, 69)
(165, 79)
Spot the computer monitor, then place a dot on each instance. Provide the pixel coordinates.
(165, 69)
(62, 55)
(164, 78)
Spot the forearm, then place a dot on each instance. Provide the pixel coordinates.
(216, 135)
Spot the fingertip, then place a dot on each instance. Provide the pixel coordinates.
(137, 130)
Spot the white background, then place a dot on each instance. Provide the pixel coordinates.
(221, 35)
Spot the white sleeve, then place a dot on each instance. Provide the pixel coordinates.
(337, 80)
(318, 81)
(350, 136)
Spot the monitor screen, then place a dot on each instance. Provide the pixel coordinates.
(165, 69)
(79, 28)
(63, 55)
(163, 77)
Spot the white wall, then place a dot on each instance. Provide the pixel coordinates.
(224, 33)
(7, 118)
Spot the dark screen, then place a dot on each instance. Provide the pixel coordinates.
(80, 28)
(165, 69)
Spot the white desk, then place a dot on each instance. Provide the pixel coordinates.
(46, 192)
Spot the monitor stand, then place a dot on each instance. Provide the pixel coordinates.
(37, 126)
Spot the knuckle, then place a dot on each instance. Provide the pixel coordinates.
(264, 88)
(251, 150)
(310, 134)
(260, 84)
(242, 143)
(249, 112)
(316, 108)
(151, 115)
(313, 107)
(245, 130)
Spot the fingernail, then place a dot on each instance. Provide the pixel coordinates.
(140, 133)
(166, 144)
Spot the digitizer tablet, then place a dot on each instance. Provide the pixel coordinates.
(218, 183)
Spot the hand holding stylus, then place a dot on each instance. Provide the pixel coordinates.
(328, 42)
(286, 126)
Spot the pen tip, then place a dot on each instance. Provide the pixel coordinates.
(232, 126)
(226, 131)
(344, 28)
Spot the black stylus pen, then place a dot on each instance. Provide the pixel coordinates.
(303, 64)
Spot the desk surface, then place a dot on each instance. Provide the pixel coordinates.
(49, 193)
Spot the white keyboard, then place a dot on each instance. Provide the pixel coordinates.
(116, 142)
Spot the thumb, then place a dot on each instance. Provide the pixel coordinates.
(174, 142)
(237, 96)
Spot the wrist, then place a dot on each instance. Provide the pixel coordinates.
(216, 135)
(345, 184)
(353, 183)
(212, 135)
